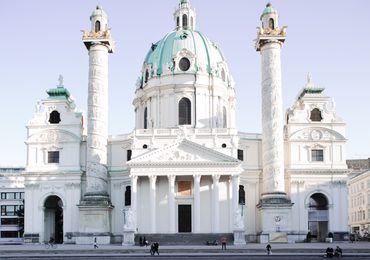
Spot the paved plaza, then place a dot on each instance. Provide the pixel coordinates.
(358, 249)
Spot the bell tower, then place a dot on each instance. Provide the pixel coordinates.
(95, 206)
(275, 206)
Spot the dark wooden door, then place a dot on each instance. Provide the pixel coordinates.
(184, 218)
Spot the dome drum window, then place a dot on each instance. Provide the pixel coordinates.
(184, 64)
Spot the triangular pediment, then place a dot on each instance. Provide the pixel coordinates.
(184, 152)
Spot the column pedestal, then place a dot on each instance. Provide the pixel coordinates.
(239, 237)
(94, 223)
(276, 218)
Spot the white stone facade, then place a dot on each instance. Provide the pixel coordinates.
(184, 163)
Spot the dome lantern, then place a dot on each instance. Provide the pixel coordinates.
(185, 16)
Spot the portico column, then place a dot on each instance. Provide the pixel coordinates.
(153, 180)
(171, 202)
(134, 198)
(235, 190)
(216, 204)
(197, 203)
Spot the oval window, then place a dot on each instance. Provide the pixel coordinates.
(184, 64)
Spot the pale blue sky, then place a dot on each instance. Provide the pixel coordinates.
(41, 39)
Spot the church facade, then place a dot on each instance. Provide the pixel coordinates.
(185, 168)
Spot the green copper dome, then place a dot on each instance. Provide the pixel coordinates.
(98, 12)
(163, 53)
(58, 93)
(268, 10)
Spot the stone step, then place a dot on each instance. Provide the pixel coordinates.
(184, 238)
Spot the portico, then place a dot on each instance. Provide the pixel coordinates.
(165, 199)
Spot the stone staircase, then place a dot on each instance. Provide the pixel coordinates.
(184, 238)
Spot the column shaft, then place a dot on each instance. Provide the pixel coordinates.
(97, 122)
(272, 119)
(134, 198)
(216, 204)
(197, 203)
(235, 196)
(171, 202)
(153, 193)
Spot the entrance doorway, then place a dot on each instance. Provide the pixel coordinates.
(184, 218)
(318, 217)
(53, 219)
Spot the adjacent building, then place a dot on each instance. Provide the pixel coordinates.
(11, 204)
(359, 196)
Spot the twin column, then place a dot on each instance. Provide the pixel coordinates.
(196, 202)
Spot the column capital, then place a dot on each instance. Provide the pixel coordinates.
(197, 177)
(216, 177)
(171, 178)
(153, 178)
(134, 177)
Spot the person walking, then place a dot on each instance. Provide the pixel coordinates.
(95, 243)
(268, 249)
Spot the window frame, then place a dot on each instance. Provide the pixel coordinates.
(184, 111)
(315, 157)
(53, 159)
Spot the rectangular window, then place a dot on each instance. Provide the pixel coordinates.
(22, 195)
(3, 196)
(317, 155)
(9, 234)
(129, 154)
(240, 155)
(184, 188)
(9, 221)
(53, 157)
(10, 210)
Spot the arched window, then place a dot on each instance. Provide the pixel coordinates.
(316, 115)
(146, 118)
(178, 21)
(97, 26)
(241, 195)
(128, 196)
(184, 112)
(146, 76)
(224, 118)
(54, 117)
(223, 75)
(271, 24)
(185, 21)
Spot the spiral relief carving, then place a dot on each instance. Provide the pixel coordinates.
(97, 124)
(272, 120)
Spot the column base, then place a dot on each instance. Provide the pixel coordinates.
(239, 237)
(96, 199)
